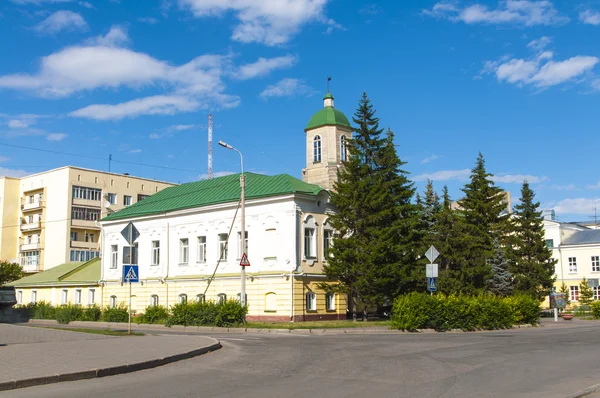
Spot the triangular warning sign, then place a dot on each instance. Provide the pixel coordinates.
(244, 261)
(130, 274)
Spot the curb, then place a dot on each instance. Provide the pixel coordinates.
(587, 391)
(110, 371)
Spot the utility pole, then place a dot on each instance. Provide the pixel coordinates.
(210, 131)
(109, 161)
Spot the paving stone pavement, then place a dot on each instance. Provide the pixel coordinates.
(33, 353)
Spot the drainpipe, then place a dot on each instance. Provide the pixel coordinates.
(167, 265)
(292, 296)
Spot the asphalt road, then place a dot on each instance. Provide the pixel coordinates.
(541, 362)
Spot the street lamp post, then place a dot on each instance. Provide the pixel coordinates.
(243, 216)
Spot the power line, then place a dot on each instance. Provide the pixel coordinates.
(96, 158)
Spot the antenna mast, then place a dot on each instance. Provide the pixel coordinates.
(210, 175)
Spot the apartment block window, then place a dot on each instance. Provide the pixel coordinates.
(126, 200)
(184, 251)
(114, 256)
(317, 149)
(154, 300)
(77, 296)
(87, 193)
(201, 255)
(74, 236)
(572, 265)
(91, 296)
(155, 252)
(64, 296)
(327, 243)
(31, 258)
(83, 213)
(30, 219)
(30, 199)
(223, 246)
(96, 180)
(112, 182)
(574, 290)
(89, 237)
(311, 301)
(182, 298)
(34, 296)
(141, 197)
(83, 255)
(40, 196)
(549, 243)
(29, 239)
(595, 263)
(330, 301)
(142, 187)
(309, 243)
(112, 303)
(221, 298)
(239, 240)
(20, 297)
(128, 184)
(112, 198)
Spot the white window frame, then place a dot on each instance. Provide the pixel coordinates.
(201, 249)
(91, 296)
(343, 151)
(221, 298)
(155, 252)
(239, 244)
(595, 263)
(114, 256)
(33, 298)
(19, 297)
(311, 301)
(309, 243)
(111, 198)
(182, 298)
(317, 149)
(184, 250)
(572, 265)
(330, 301)
(200, 298)
(327, 242)
(112, 303)
(574, 293)
(223, 247)
(596, 291)
(64, 296)
(127, 200)
(154, 300)
(77, 300)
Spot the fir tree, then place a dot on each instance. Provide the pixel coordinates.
(501, 280)
(531, 264)
(565, 289)
(375, 218)
(586, 293)
(429, 207)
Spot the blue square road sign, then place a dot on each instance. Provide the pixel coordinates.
(131, 273)
(432, 284)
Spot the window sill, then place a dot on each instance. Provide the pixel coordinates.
(154, 265)
(311, 311)
(183, 264)
(309, 258)
(200, 262)
(270, 311)
(573, 273)
(331, 310)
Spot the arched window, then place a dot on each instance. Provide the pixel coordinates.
(311, 301)
(330, 301)
(343, 148)
(113, 301)
(154, 300)
(221, 298)
(271, 302)
(182, 298)
(317, 149)
(200, 298)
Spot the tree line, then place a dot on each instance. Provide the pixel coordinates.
(384, 228)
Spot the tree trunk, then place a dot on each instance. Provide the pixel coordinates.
(354, 309)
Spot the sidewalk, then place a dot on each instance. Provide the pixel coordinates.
(34, 356)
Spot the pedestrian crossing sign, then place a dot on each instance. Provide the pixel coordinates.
(432, 284)
(131, 273)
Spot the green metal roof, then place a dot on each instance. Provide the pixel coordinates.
(328, 96)
(328, 116)
(64, 274)
(214, 191)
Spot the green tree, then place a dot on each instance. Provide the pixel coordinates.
(501, 280)
(445, 240)
(429, 207)
(586, 293)
(531, 264)
(9, 272)
(567, 294)
(371, 254)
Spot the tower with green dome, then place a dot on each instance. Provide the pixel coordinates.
(327, 133)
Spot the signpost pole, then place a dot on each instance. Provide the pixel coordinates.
(555, 314)
(129, 326)
(243, 238)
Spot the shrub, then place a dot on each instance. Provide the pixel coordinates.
(596, 309)
(207, 314)
(411, 311)
(92, 314)
(68, 313)
(525, 309)
(230, 313)
(183, 314)
(42, 310)
(117, 314)
(154, 314)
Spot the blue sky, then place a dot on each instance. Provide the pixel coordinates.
(517, 80)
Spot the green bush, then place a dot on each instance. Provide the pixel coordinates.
(42, 310)
(154, 314)
(207, 314)
(92, 314)
(414, 311)
(68, 313)
(596, 309)
(230, 313)
(117, 314)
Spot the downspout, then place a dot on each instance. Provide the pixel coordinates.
(167, 265)
(101, 281)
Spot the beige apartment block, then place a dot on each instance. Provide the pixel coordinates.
(52, 218)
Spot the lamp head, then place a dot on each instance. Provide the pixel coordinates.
(225, 145)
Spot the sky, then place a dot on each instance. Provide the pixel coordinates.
(517, 80)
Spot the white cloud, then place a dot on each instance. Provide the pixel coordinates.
(590, 17)
(519, 178)
(116, 37)
(4, 172)
(216, 174)
(62, 20)
(155, 136)
(264, 66)
(429, 159)
(332, 25)
(4, 159)
(134, 151)
(518, 12)
(286, 88)
(444, 175)
(575, 206)
(17, 124)
(567, 187)
(40, 2)
(271, 22)
(595, 186)
(180, 127)
(148, 20)
(155, 105)
(540, 44)
(56, 136)
(169, 131)
(85, 4)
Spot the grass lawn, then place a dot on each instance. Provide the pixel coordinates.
(317, 324)
(100, 331)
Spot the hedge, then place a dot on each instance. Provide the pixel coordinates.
(415, 311)
(229, 313)
(596, 309)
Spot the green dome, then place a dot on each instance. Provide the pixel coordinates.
(328, 116)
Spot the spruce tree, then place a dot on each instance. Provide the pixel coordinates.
(531, 264)
(429, 207)
(586, 293)
(374, 216)
(501, 280)
(446, 229)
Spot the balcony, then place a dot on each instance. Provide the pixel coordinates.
(87, 202)
(28, 268)
(31, 226)
(86, 224)
(30, 246)
(79, 244)
(30, 206)
(30, 263)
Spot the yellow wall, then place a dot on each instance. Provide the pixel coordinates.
(53, 295)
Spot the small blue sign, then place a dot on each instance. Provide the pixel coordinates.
(431, 284)
(131, 273)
